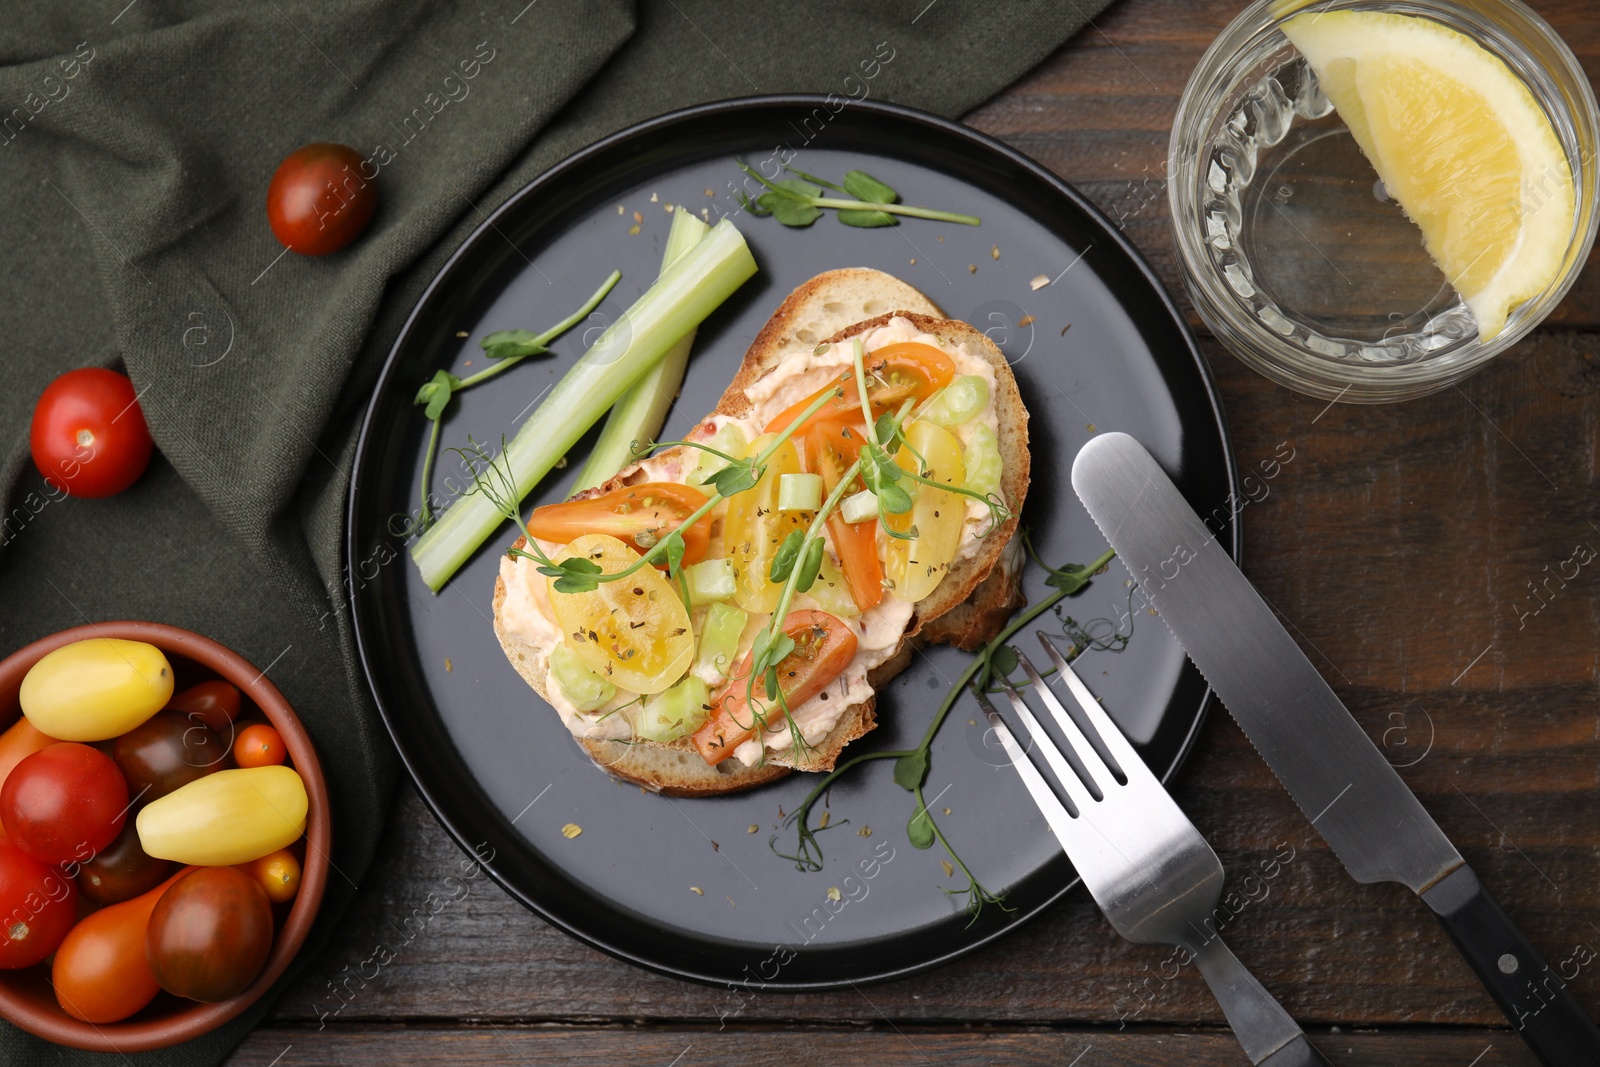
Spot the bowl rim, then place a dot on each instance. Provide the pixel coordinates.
(191, 1021)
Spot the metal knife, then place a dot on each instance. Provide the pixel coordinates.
(1354, 798)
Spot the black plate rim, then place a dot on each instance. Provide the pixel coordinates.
(980, 142)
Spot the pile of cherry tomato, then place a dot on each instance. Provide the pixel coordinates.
(151, 838)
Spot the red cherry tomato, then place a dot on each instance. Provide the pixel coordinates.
(65, 802)
(319, 200)
(639, 515)
(38, 905)
(214, 703)
(259, 746)
(88, 435)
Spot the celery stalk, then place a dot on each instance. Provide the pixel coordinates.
(688, 291)
(642, 411)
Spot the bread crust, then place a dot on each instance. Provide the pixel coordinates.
(969, 606)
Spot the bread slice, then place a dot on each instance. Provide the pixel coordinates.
(970, 604)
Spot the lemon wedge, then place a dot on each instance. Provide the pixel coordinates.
(1459, 142)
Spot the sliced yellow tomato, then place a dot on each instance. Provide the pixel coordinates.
(754, 527)
(633, 632)
(915, 567)
(96, 689)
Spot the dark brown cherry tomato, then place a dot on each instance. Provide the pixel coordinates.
(88, 434)
(38, 905)
(166, 752)
(319, 201)
(121, 871)
(210, 934)
(65, 802)
(214, 703)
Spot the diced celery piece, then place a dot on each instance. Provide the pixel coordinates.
(719, 642)
(730, 439)
(586, 689)
(982, 460)
(799, 492)
(960, 401)
(710, 580)
(831, 592)
(859, 507)
(677, 712)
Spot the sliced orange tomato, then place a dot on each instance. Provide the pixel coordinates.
(638, 515)
(894, 373)
(823, 647)
(831, 449)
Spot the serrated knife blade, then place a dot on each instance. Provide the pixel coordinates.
(1338, 777)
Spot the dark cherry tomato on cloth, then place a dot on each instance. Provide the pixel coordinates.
(214, 703)
(210, 934)
(88, 435)
(166, 752)
(38, 905)
(259, 746)
(64, 803)
(319, 201)
(121, 871)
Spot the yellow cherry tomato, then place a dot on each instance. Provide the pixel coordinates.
(96, 689)
(755, 527)
(278, 873)
(916, 566)
(633, 632)
(226, 818)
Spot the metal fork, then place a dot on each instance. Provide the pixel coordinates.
(1145, 864)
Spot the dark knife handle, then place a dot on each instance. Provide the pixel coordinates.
(1532, 996)
(1297, 1053)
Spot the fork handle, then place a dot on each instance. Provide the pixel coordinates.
(1267, 1033)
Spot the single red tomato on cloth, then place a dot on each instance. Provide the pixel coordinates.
(88, 434)
(319, 200)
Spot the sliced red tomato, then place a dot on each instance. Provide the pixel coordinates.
(831, 449)
(823, 647)
(638, 515)
(894, 373)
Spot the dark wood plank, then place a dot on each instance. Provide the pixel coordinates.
(561, 1046)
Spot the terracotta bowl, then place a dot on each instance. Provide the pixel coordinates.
(26, 998)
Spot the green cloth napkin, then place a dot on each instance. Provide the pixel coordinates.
(136, 141)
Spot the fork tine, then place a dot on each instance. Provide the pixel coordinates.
(1079, 746)
(1058, 816)
(1067, 768)
(1113, 746)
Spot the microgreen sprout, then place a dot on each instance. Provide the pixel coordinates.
(507, 348)
(799, 201)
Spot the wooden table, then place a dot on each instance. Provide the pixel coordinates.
(1400, 540)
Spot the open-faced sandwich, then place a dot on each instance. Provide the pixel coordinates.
(840, 533)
